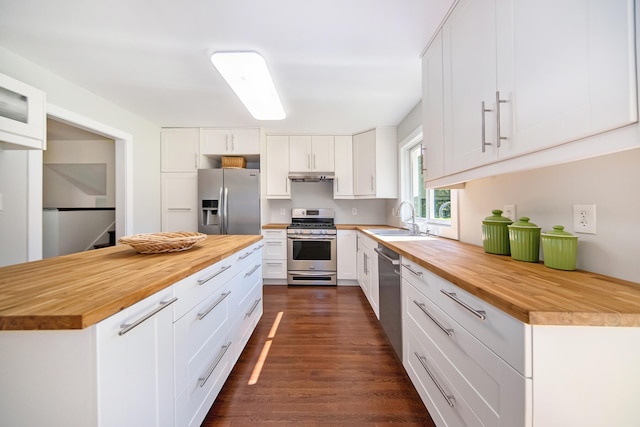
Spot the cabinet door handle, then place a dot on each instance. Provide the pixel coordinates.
(233, 142)
(206, 279)
(314, 161)
(203, 314)
(203, 379)
(372, 177)
(483, 111)
(226, 142)
(423, 362)
(408, 267)
(498, 102)
(366, 267)
(480, 314)
(179, 209)
(424, 158)
(126, 327)
(253, 307)
(337, 184)
(255, 267)
(422, 307)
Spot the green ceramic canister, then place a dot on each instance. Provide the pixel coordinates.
(524, 238)
(559, 249)
(495, 234)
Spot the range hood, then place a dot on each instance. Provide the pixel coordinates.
(310, 177)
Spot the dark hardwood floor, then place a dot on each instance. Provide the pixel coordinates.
(328, 363)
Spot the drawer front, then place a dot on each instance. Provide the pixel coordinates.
(273, 269)
(420, 278)
(275, 249)
(211, 368)
(426, 367)
(274, 234)
(195, 288)
(506, 336)
(249, 313)
(365, 241)
(496, 392)
(204, 326)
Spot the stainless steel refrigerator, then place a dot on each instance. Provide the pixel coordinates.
(229, 201)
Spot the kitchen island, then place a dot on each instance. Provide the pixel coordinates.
(111, 337)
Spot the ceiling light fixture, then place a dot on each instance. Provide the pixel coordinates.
(248, 76)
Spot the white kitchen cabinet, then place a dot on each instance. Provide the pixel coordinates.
(469, 49)
(433, 111)
(180, 148)
(346, 254)
(311, 153)
(135, 364)
(277, 167)
(375, 155)
(367, 271)
(23, 122)
(465, 357)
(230, 141)
(274, 254)
(343, 177)
(511, 90)
(179, 202)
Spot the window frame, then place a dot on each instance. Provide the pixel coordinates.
(443, 228)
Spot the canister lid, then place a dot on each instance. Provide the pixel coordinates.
(524, 223)
(558, 231)
(497, 217)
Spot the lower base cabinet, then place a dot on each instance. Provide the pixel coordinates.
(160, 362)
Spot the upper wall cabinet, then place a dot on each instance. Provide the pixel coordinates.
(22, 115)
(375, 164)
(277, 167)
(311, 153)
(512, 89)
(230, 141)
(179, 149)
(343, 177)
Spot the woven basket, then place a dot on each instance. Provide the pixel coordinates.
(157, 243)
(234, 162)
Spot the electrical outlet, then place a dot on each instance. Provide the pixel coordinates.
(509, 211)
(584, 219)
(282, 213)
(354, 211)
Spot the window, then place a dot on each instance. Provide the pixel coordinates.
(435, 208)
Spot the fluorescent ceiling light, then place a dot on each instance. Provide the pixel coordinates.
(248, 76)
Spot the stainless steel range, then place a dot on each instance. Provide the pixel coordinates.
(311, 247)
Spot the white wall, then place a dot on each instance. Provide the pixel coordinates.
(64, 94)
(547, 196)
(320, 195)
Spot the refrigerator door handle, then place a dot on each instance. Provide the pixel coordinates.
(225, 206)
(220, 212)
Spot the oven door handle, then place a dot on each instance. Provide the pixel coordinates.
(312, 238)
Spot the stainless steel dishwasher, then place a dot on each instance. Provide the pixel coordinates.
(390, 299)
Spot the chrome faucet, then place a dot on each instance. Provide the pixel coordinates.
(415, 228)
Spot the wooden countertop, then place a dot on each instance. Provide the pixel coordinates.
(78, 290)
(527, 291)
(279, 226)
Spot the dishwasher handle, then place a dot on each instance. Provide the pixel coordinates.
(385, 256)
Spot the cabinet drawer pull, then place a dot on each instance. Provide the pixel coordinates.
(179, 209)
(484, 110)
(246, 254)
(257, 248)
(408, 267)
(255, 267)
(126, 327)
(498, 102)
(253, 307)
(422, 307)
(206, 279)
(203, 379)
(203, 314)
(480, 314)
(423, 362)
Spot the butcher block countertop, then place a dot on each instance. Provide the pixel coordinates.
(527, 291)
(78, 290)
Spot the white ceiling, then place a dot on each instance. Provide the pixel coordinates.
(340, 66)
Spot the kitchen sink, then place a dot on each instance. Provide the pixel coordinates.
(392, 232)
